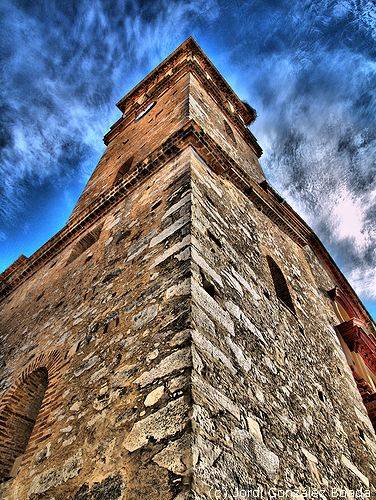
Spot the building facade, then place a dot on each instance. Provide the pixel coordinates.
(186, 334)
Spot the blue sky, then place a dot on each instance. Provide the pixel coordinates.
(308, 67)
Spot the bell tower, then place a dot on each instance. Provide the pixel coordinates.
(184, 89)
(186, 334)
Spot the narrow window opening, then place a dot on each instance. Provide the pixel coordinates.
(84, 243)
(362, 434)
(229, 131)
(266, 293)
(216, 240)
(321, 396)
(17, 421)
(124, 169)
(155, 205)
(210, 200)
(145, 111)
(280, 284)
(207, 285)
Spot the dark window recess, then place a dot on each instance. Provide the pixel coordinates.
(280, 284)
(216, 240)
(84, 243)
(229, 131)
(17, 421)
(124, 169)
(119, 237)
(362, 434)
(267, 294)
(145, 111)
(321, 396)
(210, 200)
(155, 205)
(207, 285)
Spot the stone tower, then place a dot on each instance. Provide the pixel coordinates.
(186, 334)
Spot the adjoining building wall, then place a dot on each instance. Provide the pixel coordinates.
(275, 402)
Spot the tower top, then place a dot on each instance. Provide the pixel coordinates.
(189, 52)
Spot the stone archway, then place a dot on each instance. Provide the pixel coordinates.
(18, 419)
(24, 410)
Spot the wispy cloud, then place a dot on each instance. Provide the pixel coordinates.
(66, 65)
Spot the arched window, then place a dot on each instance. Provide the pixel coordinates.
(84, 243)
(124, 169)
(17, 421)
(280, 284)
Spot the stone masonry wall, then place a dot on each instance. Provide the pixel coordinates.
(112, 329)
(173, 369)
(275, 403)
